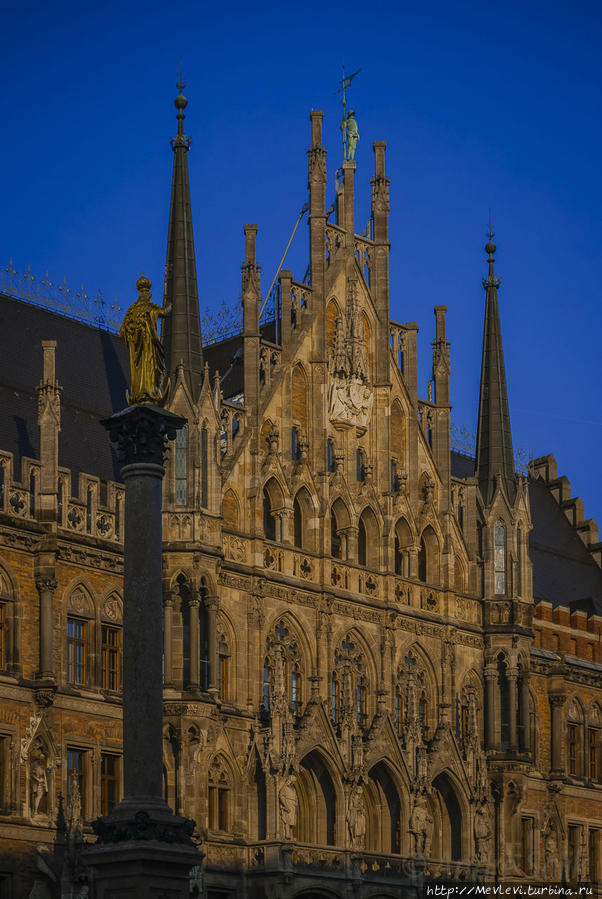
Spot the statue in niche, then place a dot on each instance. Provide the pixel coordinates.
(421, 827)
(356, 819)
(149, 378)
(550, 852)
(38, 780)
(482, 832)
(287, 803)
(351, 133)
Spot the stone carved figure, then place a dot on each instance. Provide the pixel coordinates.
(356, 819)
(482, 833)
(287, 803)
(149, 378)
(421, 827)
(351, 133)
(38, 781)
(550, 851)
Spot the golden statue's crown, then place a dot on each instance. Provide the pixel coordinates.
(143, 283)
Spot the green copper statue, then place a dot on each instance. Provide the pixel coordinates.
(150, 381)
(351, 135)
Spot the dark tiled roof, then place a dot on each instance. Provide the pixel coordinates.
(91, 366)
(462, 466)
(564, 572)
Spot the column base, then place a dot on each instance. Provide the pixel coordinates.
(138, 869)
(143, 850)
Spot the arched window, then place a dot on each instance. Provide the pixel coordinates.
(500, 558)
(267, 680)
(335, 540)
(182, 466)
(295, 689)
(330, 456)
(335, 698)
(298, 524)
(204, 468)
(360, 703)
(269, 524)
(422, 561)
(220, 793)
(362, 543)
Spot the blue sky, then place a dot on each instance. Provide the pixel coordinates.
(481, 105)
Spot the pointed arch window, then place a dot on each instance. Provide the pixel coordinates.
(298, 524)
(181, 466)
(223, 668)
(295, 689)
(500, 558)
(422, 561)
(362, 543)
(267, 680)
(294, 443)
(269, 524)
(220, 791)
(335, 539)
(360, 473)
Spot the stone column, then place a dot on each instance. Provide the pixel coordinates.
(490, 673)
(413, 562)
(195, 644)
(557, 701)
(46, 587)
(168, 604)
(212, 605)
(143, 848)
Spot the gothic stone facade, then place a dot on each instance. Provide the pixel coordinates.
(361, 688)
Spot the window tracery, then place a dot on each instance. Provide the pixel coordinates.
(282, 672)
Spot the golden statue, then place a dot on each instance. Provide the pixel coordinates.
(150, 381)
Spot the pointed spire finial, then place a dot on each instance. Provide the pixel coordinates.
(180, 103)
(490, 248)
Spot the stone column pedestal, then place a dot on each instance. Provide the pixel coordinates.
(143, 849)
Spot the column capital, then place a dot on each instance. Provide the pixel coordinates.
(557, 699)
(212, 603)
(46, 584)
(142, 432)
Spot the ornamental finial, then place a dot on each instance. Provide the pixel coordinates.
(180, 103)
(490, 248)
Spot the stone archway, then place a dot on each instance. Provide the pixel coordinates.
(448, 824)
(317, 802)
(383, 811)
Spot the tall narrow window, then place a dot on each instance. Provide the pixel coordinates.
(182, 467)
(330, 457)
(360, 472)
(76, 774)
(360, 704)
(527, 846)
(219, 797)
(574, 851)
(593, 739)
(573, 748)
(117, 517)
(362, 543)
(594, 855)
(267, 676)
(294, 443)
(393, 476)
(334, 699)
(298, 524)
(111, 657)
(295, 689)
(76, 651)
(500, 558)
(422, 561)
(59, 501)
(269, 524)
(204, 469)
(32, 494)
(335, 540)
(397, 714)
(223, 669)
(109, 783)
(519, 561)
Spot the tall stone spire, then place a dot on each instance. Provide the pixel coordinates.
(495, 458)
(182, 327)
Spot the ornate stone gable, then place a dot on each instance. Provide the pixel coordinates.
(350, 395)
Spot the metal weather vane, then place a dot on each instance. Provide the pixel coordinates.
(349, 127)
